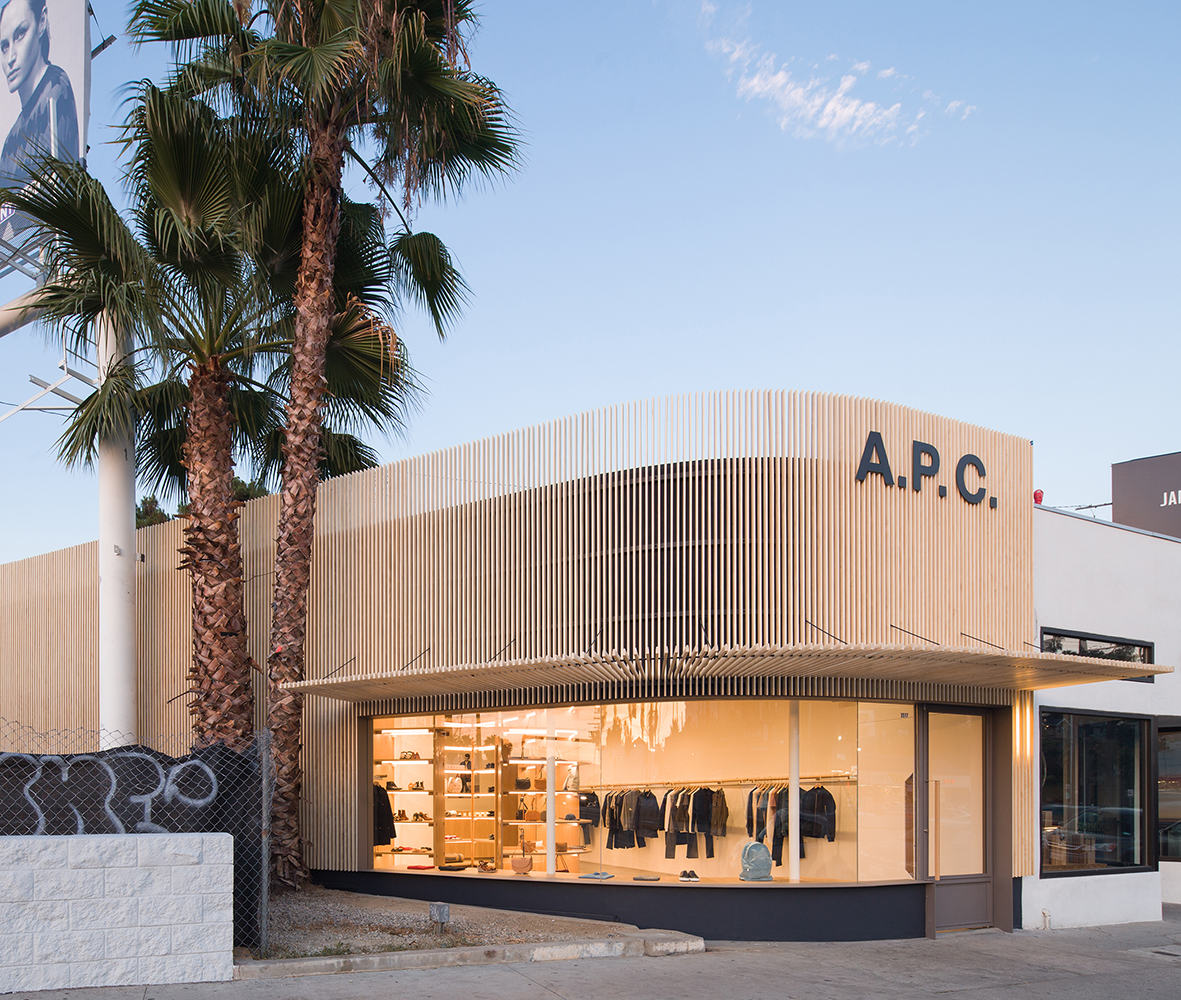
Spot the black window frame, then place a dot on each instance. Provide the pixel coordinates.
(1161, 724)
(1069, 633)
(1148, 780)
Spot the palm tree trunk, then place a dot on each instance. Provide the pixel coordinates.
(302, 451)
(220, 672)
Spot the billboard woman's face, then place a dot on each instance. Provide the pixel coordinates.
(20, 43)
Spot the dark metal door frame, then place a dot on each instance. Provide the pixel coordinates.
(924, 862)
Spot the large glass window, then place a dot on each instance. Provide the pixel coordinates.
(649, 790)
(1168, 762)
(1093, 785)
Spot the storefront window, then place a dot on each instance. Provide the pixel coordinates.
(647, 791)
(1168, 762)
(1093, 792)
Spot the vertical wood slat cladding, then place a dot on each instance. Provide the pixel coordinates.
(704, 520)
(49, 640)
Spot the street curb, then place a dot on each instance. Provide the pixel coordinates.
(653, 944)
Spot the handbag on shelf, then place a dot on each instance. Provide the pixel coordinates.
(454, 785)
(560, 846)
(523, 784)
(532, 816)
(520, 814)
(528, 846)
(521, 866)
(539, 783)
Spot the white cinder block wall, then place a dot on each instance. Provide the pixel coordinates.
(115, 910)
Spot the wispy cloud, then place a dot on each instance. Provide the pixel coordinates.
(810, 99)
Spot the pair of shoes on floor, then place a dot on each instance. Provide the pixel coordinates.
(688, 876)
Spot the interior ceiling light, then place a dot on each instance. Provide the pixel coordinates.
(404, 732)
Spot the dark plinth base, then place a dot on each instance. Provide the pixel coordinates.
(764, 912)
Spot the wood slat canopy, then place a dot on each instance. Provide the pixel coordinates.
(923, 664)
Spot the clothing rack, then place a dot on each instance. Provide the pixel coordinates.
(811, 779)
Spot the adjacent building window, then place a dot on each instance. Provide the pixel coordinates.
(1102, 647)
(1168, 763)
(1093, 800)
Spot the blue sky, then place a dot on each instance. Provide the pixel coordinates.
(967, 208)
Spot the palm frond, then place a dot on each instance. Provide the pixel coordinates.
(425, 274)
(106, 414)
(319, 72)
(187, 21)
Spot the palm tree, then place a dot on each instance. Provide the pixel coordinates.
(210, 205)
(338, 72)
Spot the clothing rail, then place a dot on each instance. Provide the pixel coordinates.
(813, 779)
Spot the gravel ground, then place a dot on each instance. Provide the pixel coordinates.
(317, 921)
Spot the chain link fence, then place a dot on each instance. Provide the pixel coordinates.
(81, 781)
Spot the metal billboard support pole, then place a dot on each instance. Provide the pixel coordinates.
(117, 686)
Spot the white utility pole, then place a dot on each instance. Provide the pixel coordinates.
(116, 564)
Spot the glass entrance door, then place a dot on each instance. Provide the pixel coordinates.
(957, 807)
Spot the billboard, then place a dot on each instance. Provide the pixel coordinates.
(44, 103)
(1146, 493)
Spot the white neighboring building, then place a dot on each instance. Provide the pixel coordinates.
(1111, 582)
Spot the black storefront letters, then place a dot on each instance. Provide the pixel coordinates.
(924, 464)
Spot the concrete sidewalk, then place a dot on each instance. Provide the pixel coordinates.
(1107, 963)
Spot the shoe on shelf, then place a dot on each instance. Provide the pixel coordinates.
(401, 817)
(683, 877)
(416, 786)
(693, 877)
(392, 786)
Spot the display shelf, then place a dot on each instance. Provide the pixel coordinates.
(540, 762)
(511, 852)
(542, 822)
(416, 760)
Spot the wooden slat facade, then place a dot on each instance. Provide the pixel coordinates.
(727, 520)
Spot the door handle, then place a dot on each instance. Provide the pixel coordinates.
(935, 808)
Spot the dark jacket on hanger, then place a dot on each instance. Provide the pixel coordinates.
(647, 817)
(383, 817)
(702, 810)
(818, 814)
(720, 815)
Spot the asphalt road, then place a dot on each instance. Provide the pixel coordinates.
(1106, 963)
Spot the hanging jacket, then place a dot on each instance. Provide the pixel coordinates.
(669, 796)
(818, 814)
(383, 817)
(627, 811)
(720, 815)
(647, 817)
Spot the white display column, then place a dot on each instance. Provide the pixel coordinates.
(793, 791)
(116, 566)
